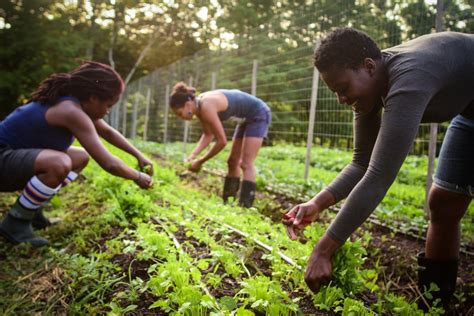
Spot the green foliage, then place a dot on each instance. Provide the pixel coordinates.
(37, 46)
(132, 204)
(155, 244)
(91, 280)
(265, 295)
(328, 298)
(177, 275)
(353, 307)
(176, 281)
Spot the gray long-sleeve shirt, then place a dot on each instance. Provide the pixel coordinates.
(431, 79)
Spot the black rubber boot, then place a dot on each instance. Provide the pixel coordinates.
(16, 227)
(247, 193)
(231, 187)
(40, 221)
(441, 272)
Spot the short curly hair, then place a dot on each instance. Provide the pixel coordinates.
(345, 48)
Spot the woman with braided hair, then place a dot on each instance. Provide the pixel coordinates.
(35, 144)
(212, 108)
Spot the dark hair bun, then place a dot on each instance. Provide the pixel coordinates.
(181, 87)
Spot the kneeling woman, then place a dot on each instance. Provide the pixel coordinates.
(35, 144)
(214, 107)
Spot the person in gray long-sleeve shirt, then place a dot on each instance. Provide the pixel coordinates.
(428, 79)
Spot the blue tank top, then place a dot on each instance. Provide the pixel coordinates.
(241, 105)
(26, 127)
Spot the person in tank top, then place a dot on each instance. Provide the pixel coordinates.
(36, 155)
(253, 117)
(428, 79)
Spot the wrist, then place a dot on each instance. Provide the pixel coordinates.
(316, 205)
(138, 155)
(138, 177)
(323, 200)
(326, 246)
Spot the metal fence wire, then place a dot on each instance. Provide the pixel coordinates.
(279, 70)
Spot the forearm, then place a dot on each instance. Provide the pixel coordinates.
(218, 146)
(327, 246)
(324, 199)
(118, 140)
(118, 168)
(204, 141)
(346, 181)
(361, 202)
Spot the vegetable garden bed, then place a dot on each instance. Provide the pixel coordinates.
(170, 250)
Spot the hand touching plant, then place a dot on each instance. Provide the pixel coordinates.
(145, 165)
(143, 180)
(195, 165)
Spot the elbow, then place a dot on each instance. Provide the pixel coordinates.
(361, 163)
(361, 160)
(222, 142)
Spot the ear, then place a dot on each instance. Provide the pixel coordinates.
(370, 65)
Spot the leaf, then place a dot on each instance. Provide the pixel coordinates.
(228, 303)
(129, 308)
(160, 303)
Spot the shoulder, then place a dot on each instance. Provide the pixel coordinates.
(212, 101)
(66, 108)
(67, 113)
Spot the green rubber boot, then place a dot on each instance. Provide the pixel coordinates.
(40, 221)
(16, 227)
(441, 272)
(231, 187)
(247, 193)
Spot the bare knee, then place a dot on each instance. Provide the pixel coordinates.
(245, 165)
(233, 163)
(446, 207)
(59, 166)
(80, 161)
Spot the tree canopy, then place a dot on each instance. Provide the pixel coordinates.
(45, 36)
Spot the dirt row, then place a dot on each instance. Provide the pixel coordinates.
(229, 286)
(394, 254)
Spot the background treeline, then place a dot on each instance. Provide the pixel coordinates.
(280, 37)
(39, 37)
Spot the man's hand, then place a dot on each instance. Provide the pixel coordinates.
(299, 217)
(195, 166)
(319, 269)
(143, 180)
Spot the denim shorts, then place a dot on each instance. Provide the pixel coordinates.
(16, 167)
(257, 126)
(455, 171)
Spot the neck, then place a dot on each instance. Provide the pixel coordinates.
(196, 105)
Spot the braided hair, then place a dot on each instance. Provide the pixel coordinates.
(89, 79)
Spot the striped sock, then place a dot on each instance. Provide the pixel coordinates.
(35, 194)
(70, 177)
